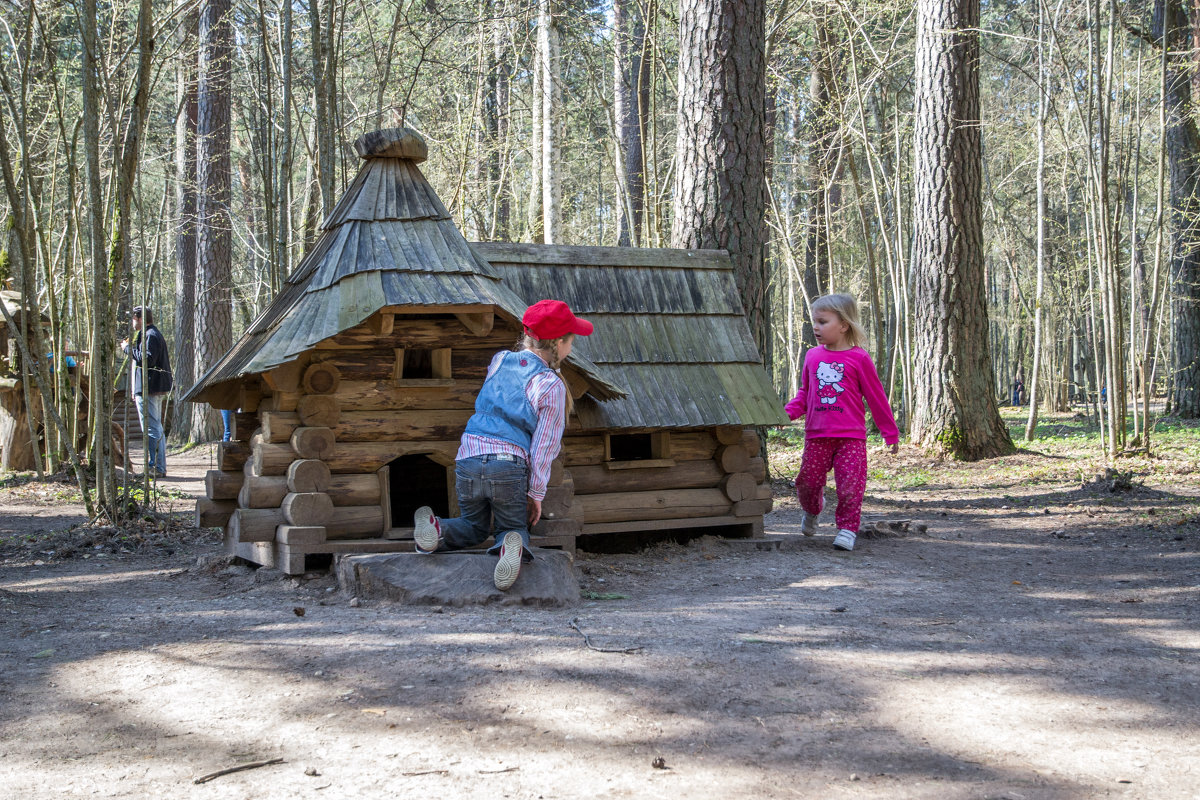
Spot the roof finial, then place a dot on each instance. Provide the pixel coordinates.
(392, 143)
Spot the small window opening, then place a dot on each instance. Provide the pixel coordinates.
(418, 364)
(631, 447)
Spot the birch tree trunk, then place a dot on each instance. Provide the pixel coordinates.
(548, 47)
(1040, 179)
(214, 309)
(720, 172)
(955, 398)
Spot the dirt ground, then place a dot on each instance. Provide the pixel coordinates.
(1039, 640)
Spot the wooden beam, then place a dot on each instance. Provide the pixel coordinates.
(285, 378)
(665, 524)
(441, 363)
(381, 323)
(479, 324)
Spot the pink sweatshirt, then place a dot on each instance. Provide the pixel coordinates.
(834, 384)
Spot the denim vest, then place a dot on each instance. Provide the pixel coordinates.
(502, 411)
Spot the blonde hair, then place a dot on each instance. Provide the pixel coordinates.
(846, 307)
(554, 361)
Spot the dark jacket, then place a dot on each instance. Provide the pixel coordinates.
(153, 359)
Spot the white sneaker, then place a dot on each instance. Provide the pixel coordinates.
(509, 566)
(808, 524)
(844, 540)
(426, 531)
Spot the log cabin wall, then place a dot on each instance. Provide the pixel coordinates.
(334, 440)
(712, 477)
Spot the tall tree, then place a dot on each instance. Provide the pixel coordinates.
(551, 85)
(720, 169)
(955, 409)
(1035, 372)
(631, 103)
(824, 153)
(214, 308)
(185, 216)
(1174, 32)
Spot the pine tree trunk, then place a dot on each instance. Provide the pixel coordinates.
(214, 328)
(1183, 155)
(955, 400)
(720, 175)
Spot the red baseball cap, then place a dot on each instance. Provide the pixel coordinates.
(550, 319)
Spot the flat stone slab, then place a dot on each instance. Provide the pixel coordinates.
(458, 579)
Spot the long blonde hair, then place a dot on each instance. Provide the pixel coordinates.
(846, 307)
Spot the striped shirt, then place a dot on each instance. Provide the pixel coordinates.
(548, 396)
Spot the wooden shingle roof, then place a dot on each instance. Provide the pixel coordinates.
(669, 328)
(388, 242)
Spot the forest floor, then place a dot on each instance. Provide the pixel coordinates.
(1038, 640)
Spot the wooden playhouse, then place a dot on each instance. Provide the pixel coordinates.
(353, 387)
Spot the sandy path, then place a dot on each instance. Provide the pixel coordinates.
(1009, 653)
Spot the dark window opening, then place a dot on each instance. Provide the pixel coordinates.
(415, 481)
(630, 447)
(418, 364)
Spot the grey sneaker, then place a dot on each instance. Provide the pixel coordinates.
(426, 531)
(808, 524)
(844, 540)
(509, 566)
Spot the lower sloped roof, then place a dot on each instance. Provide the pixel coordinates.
(669, 329)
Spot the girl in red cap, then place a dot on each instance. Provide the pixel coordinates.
(503, 461)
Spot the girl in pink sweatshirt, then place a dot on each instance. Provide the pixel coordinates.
(838, 376)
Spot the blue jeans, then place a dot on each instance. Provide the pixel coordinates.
(149, 408)
(227, 421)
(491, 501)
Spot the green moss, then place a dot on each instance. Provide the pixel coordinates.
(950, 440)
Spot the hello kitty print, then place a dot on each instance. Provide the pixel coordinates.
(829, 381)
(831, 398)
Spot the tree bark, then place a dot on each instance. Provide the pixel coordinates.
(1183, 156)
(955, 409)
(720, 175)
(631, 101)
(548, 46)
(824, 146)
(185, 215)
(214, 308)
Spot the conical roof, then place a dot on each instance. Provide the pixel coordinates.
(388, 242)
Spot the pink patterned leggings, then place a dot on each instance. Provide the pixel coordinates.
(848, 459)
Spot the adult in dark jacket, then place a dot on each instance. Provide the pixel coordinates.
(151, 382)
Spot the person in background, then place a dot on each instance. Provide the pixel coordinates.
(1018, 390)
(227, 421)
(151, 383)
